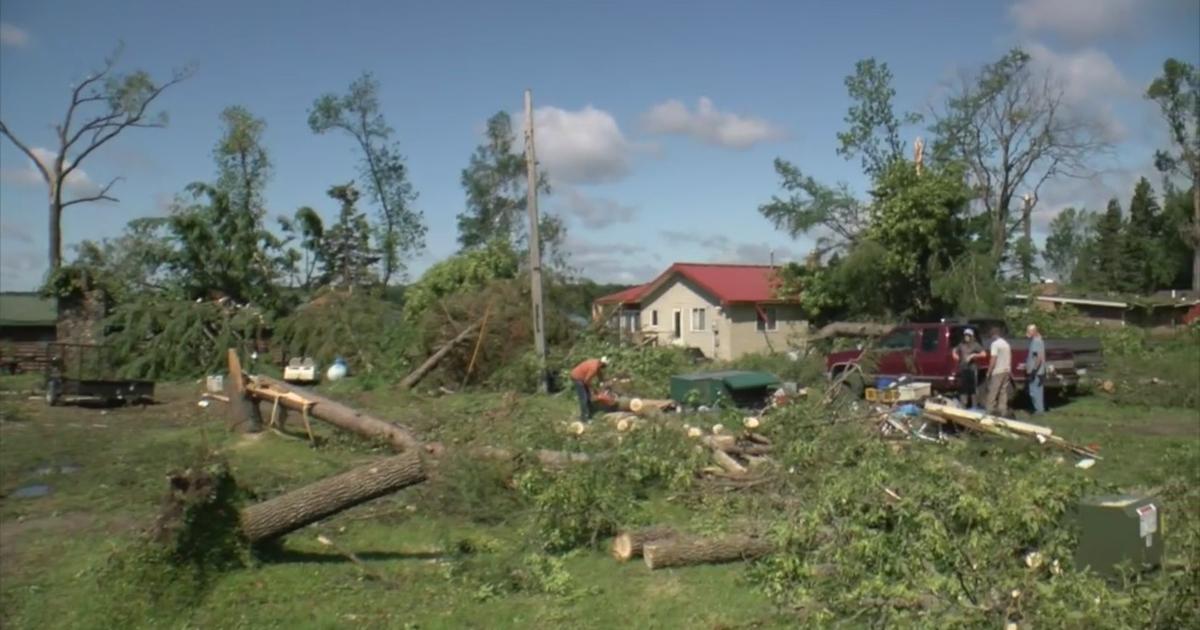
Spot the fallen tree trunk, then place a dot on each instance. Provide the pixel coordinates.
(555, 460)
(682, 552)
(724, 460)
(630, 544)
(293, 510)
(416, 375)
(850, 329)
(337, 414)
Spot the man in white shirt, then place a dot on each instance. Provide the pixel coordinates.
(999, 374)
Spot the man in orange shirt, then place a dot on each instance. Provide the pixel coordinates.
(583, 375)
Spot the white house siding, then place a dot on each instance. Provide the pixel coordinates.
(745, 338)
(680, 294)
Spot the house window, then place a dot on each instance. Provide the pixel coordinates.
(633, 321)
(698, 315)
(654, 318)
(767, 318)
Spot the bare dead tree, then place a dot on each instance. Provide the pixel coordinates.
(102, 106)
(1012, 127)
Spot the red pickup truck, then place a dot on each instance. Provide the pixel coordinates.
(921, 352)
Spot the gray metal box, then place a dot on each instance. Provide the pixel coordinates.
(1119, 528)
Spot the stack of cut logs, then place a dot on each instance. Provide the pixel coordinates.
(1004, 427)
(735, 455)
(663, 547)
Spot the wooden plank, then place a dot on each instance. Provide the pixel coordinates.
(989, 420)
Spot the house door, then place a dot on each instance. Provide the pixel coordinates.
(678, 330)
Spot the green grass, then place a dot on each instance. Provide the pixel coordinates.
(427, 565)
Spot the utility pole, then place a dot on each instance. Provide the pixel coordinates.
(1027, 251)
(535, 247)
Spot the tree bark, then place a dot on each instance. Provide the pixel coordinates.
(55, 234)
(1196, 232)
(344, 417)
(416, 375)
(289, 512)
(630, 544)
(682, 552)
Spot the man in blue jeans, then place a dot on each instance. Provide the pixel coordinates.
(583, 376)
(1035, 369)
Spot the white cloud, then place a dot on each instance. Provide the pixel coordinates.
(709, 125)
(625, 263)
(595, 212)
(722, 249)
(78, 181)
(1077, 20)
(580, 147)
(12, 35)
(1090, 82)
(15, 233)
(20, 270)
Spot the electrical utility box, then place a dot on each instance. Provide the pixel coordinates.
(1119, 528)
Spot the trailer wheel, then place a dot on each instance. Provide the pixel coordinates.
(53, 392)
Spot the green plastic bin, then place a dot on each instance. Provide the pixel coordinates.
(1119, 528)
(740, 387)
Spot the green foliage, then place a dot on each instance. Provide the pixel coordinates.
(873, 126)
(400, 229)
(951, 545)
(969, 286)
(845, 288)
(195, 540)
(1177, 93)
(651, 367)
(811, 205)
(365, 330)
(577, 506)
(1145, 243)
(918, 221)
(1064, 250)
(1109, 248)
(495, 183)
(346, 252)
(159, 338)
(477, 489)
(805, 370)
(243, 166)
(463, 272)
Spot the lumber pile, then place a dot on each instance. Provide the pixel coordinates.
(1003, 427)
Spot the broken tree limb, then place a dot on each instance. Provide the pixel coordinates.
(681, 552)
(293, 510)
(629, 544)
(550, 460)
(954, 413)
(339, 415)
(639, 405)
(416, 375)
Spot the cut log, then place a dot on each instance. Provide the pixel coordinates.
(293, 510)
(1017, 426)
(724, 460)
(682, 552)
(416, 375)
(551, 460)
(754, 437)
(629, 544)
(339, 415)
(639, 405)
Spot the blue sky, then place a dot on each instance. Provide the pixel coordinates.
(657, 121)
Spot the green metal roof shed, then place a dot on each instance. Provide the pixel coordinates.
(709, 388)
(27, 309)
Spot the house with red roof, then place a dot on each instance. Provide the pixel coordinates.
(723, 310)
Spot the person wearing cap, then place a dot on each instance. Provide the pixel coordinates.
(583, 375)
(964, 353)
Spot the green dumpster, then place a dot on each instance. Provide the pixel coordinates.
(740, 387)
